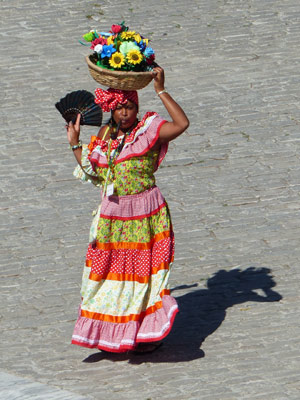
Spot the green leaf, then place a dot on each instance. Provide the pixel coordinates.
(89, 37)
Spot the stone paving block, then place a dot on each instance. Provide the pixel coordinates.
(14, 388)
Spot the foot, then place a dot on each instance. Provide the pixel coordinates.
(144, 348)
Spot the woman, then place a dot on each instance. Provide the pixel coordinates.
(126, 304)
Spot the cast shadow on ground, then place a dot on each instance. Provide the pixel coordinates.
(202, 311)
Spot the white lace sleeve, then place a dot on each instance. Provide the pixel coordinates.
(85, 172)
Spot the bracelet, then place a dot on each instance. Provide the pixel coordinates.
(161, 92)
(77, 146)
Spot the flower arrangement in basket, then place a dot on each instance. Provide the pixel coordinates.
(121, 58)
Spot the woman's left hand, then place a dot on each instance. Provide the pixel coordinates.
(159, 79)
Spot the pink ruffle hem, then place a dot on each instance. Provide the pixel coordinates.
(121, 337)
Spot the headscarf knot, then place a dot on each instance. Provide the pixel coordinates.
(110, 98)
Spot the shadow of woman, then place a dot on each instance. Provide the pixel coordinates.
(202, 312)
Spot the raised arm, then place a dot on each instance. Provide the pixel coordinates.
(170, 130)
(73, 133)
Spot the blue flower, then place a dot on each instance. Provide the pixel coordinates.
(148, 52)
(107, 51)
(142, 45)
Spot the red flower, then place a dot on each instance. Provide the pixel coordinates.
(150, 59)
(98, 40)
(116, 28)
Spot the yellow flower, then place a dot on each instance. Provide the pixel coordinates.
(117, 60)
(146, 41)
(128, 35)
(110, 40)
(137, 38)
(134, 57)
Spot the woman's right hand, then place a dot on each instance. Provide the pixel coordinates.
(73, 131)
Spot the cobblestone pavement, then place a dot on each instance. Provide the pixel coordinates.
(232, 182)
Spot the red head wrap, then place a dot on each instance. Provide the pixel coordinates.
(110, 98)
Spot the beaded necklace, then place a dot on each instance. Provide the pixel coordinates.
(112, 155)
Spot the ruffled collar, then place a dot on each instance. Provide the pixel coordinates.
(96, 141)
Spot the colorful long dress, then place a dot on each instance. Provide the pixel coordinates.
(125, 295)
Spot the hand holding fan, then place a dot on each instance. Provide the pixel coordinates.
(82, 102)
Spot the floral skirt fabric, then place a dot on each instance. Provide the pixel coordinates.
(125, 294)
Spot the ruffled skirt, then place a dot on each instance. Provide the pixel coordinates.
(125, 294)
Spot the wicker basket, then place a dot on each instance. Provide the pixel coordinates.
(118, 79)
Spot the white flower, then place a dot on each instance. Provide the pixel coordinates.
(98, 48)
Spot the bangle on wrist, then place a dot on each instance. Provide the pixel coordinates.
(161, 92)
(76, 146)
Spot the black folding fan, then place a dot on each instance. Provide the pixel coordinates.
(80, 101)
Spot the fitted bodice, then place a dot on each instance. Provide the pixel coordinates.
(131, 176)
(132, 171)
